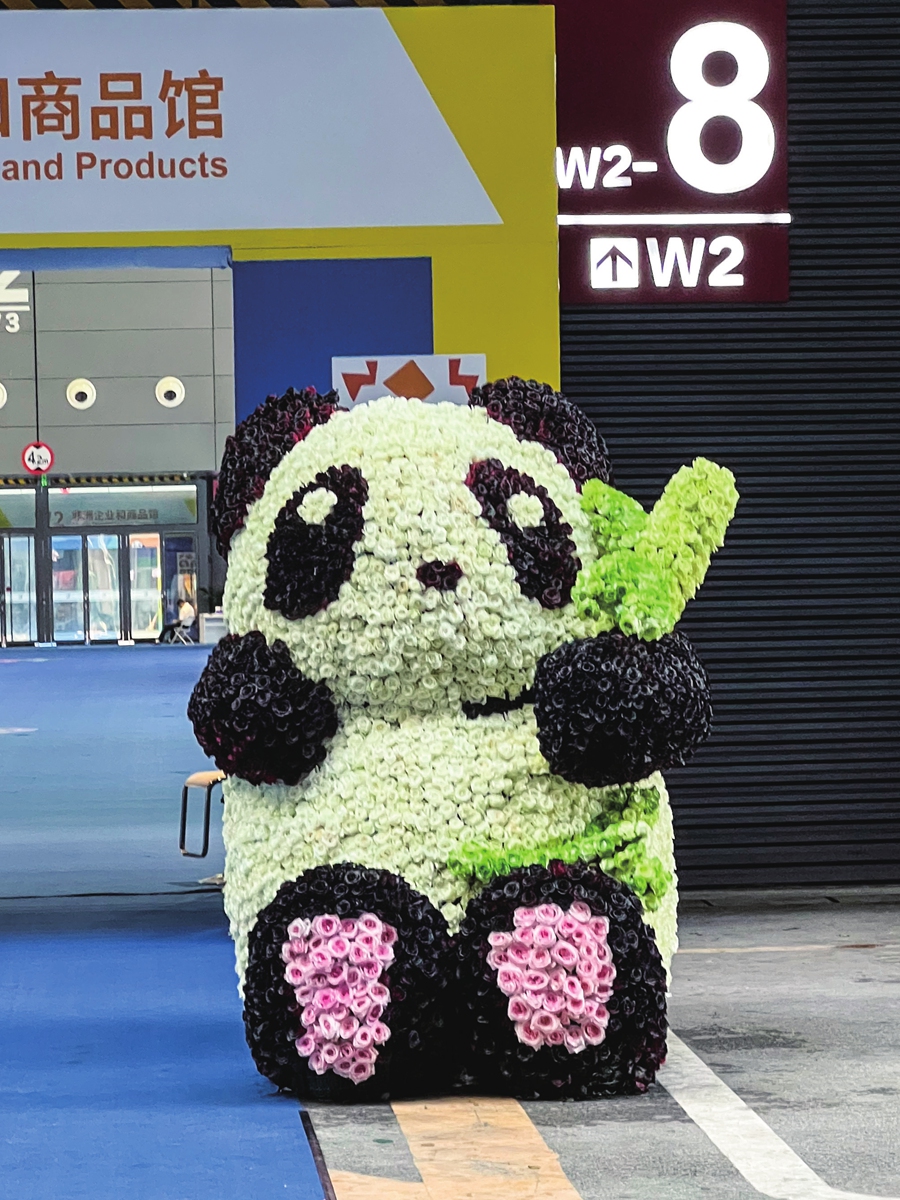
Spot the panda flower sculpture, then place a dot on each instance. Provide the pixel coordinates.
(451, 682)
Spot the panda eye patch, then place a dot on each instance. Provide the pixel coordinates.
(537, 539)
(311, 550)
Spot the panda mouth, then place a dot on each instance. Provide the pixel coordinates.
(497, 704)
(440, 575)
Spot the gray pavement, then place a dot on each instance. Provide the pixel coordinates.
(809, 1038)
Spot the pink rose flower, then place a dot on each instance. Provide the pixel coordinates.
(363, 1038)
(574, 1040)
(575, 1007)
(369, 923)
(299, 928)
(581, 937)
(379, 992)
(517, 1009)
(338, 974)
(361, 1071)
(554, 1002)
(539, 960)
(509, 980)
(349, 1026)
(294, 974)
(535, 981)
(556, 1037)
(523, 917)
(548, 914)
(573, 989)
(353, 976)
(389, 935)
(546, 1022)
(565, 954)
(381, 1033)
(384, 953)
(349, 928)
(566, 925)
(326, 926)
(594, 1032)
(330, 1053)
(327, 1027)
(359, 954)
(304, 995)
(317, 1063)
(360, 1006)
(326, 999)
(500, 940)
(375, 1012)
(497, 958)
(309, 1015)
(519, 955)
(305, 1045)
(370, 969)
(369, 941)
(367, 1055)
(558, 977)
(544, 935)
(535, 1000)
(580, 911)
(531, 1037)
(339, 946)
(599, 927)
(320, 960)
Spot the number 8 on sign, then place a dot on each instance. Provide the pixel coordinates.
(734, 100)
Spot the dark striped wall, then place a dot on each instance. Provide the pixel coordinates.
(798, 621)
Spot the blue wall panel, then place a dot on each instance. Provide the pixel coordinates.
(290, 318)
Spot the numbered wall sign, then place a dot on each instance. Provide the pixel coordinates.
(37, 457)
(672, 155)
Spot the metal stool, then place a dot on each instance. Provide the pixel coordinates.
(200, 779)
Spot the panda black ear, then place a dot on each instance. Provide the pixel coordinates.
(257, 446)
(536, 413)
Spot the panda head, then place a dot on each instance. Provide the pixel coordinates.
(411, 556)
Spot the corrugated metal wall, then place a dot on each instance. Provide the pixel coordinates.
(798, 621)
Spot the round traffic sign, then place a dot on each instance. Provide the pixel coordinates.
(37, 457)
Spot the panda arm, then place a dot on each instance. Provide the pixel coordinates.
(259, 717)
(612, 709)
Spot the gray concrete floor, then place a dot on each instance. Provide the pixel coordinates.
(809, 1038)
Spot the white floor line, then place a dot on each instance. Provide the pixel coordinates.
(765, 1161)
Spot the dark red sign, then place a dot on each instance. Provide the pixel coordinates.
(672, 157)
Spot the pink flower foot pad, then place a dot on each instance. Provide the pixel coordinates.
(335, 967)
(557, 970)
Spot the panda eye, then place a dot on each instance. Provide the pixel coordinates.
(311, 550)
(526, 510)
(532, 529)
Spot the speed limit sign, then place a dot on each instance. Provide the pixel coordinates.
(37, 457)
(671, 157)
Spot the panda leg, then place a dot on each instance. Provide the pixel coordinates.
(560, 986)
(345, 989)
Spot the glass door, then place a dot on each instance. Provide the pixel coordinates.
(145, 572)
(18, 618)
(104, 607)
(67, 559)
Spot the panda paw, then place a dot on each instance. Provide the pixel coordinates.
(613, 709)
(561, 989)
(345, 990)
(257, 716)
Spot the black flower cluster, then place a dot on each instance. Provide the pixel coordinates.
(414, 1058)
(536, 413)
(614, 708)
(257, 715)
(308, 562)
(635, 1044)
(258, 445)
(542, 556)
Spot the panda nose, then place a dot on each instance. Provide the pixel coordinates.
(443, 576)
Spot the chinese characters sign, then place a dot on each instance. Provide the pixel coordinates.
(672, 156)
(53, 105)
(158, 120)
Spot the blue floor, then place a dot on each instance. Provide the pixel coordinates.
(123, 1067)
(94, 747)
